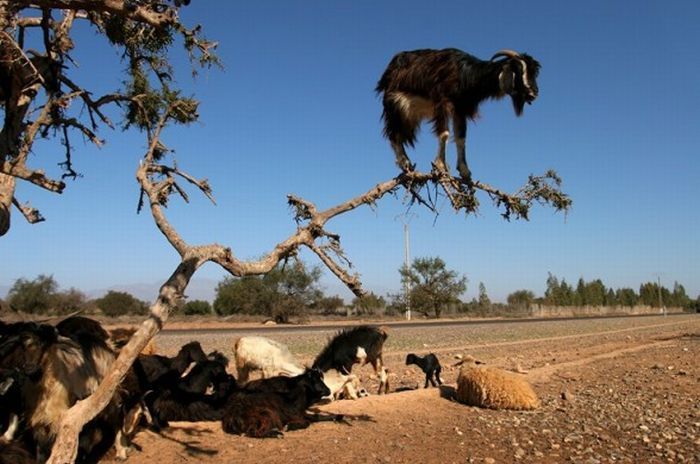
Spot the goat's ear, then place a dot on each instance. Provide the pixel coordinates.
(506, 79)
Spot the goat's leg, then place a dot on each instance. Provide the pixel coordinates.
(428, 379)
(379, 369)
(432, 374)
(443, 134)
(402, 160)
(437, 375)
(460, 128)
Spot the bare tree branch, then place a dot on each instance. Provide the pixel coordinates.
(128, 10)
(32, 215)
(38, 177)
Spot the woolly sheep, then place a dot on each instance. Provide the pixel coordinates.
(493, 388)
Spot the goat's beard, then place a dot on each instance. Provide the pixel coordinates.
(518, 104)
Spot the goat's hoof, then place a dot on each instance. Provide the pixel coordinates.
(439, 167)
(466, 178)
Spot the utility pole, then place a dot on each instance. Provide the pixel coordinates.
(407, 263)
(661, 302)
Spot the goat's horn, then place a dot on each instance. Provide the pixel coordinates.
(507, 53)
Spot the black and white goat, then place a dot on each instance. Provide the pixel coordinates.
(267, 407)
(359, 345)
(443, 84)
(430, 365)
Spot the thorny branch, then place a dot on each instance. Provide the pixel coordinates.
(32, 215)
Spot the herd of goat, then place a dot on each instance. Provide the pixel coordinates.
(45, 369)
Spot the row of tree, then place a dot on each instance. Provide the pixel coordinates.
(292, 291)
(595, 293)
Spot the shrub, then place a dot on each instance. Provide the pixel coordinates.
(120, 303)
(197, 307)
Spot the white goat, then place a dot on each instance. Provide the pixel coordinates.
(260, 353)
(343, 386)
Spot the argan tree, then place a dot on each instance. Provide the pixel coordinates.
(42, 99)
(432, 285)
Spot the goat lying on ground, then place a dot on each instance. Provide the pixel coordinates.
(61, 371)
(174, 404)
(205, 374)
(443, 84)
(355, 346)
(268, 356)
(155, 366)
(15, 453)
(343, 386)
(269, 406)
(430, 365)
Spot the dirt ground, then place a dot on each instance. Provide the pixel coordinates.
(617, 392)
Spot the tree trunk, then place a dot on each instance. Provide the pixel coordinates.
(7, 192)
(65, 449)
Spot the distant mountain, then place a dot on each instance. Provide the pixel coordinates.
(198, 289)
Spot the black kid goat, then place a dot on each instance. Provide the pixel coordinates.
(430, 365)
(443, 84)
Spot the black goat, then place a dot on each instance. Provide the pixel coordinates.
(352, 346)
(276, 406)
(439, 84)
(430, 365)
(155, 366)
(175, 404)
(204, 374)
(15, 453)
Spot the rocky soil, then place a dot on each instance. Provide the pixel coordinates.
(613, 390)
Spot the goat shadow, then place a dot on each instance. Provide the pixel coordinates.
(193, 447)
(448, 393)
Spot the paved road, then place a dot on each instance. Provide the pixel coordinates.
(285, 329)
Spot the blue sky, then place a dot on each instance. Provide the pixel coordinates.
(294, 111)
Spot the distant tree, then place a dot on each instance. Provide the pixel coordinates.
(558, 293)
(329, 304)
(68, 301)
(626, 297)
(396, 304)
(243, 295)
(651, 294)
(521, 299)
(484, 300)
(679, 298)
(115, 303)
(32, 296)
(196, 307)
(433, 286)
(611, 298)
(580, 293)
(369, 304)
(282, 293)
(695, 305)
(595, 293)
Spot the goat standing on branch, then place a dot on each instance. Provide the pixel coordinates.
(439, 84)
